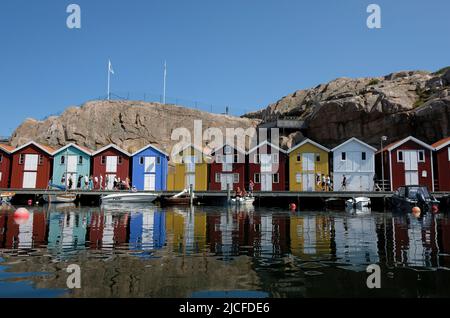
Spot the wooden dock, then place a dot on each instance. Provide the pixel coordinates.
(258, 194)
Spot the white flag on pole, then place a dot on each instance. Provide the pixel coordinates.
(110, 67)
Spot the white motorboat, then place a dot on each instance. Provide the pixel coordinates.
(242, 201)
(60, 198)
(130, 198)
(358, 203)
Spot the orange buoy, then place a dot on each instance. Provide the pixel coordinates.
(416, 211)
(21, 216)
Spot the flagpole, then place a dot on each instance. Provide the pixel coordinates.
(109, 78)
(165, 77)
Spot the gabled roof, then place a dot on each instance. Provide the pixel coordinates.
(195, 148)
(307, 140)
(441, 143)
(234, 147)
(397, 144)
(351, 140)
(82, 149)
(111, 146)
(149, 146)
(7, 148)
(46, 149)
(265, 142)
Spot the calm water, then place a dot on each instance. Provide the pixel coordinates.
(214, 251)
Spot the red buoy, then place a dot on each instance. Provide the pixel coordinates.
(292, 206)
(21, 216)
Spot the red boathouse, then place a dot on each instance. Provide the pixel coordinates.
(31, 166)
(267, 167)
(5, 165)
(110, 162)
(407, 162)
(442, 169)
(227, 168)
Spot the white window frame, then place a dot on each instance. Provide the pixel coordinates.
(423, 155)
(21, 159)
(299, 157)
(41, 160)
(217, 177)
(158, 160)
(257, 180)
(62, 160)
(363, 156)
(343, 153)
(235, 177)
(80, 160)
(398, 156)
(275, 158)
(278, 178)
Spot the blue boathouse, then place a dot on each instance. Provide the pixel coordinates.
(149, 169)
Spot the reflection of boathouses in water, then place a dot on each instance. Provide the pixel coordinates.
(355, 240)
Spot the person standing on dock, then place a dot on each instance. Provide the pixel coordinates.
(91, 183)
(86, 182)
(251, 185)
(344, 183)
(324, 183)
(328, 183)
(70, 182)
(79, 182)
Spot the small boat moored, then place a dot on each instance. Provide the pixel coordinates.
(182, 198)
(358, 203)
(129, 198)
(247, 200)
(60, 198)
(407, 197)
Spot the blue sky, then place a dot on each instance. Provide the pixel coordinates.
(241, 53)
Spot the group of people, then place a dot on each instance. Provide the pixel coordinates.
(96, 183)
(324, 182)
(239, 193)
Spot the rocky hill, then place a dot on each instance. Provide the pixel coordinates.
(130, 125)
(397, 105)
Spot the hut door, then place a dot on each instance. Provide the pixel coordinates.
(72, 162)
(190, 179)
(30, 174)
(150, 164)
(308, 178)
(149, 182)
(29, 180)
(111, 164)
(411, 167)
(226, 178)
(266, 182)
